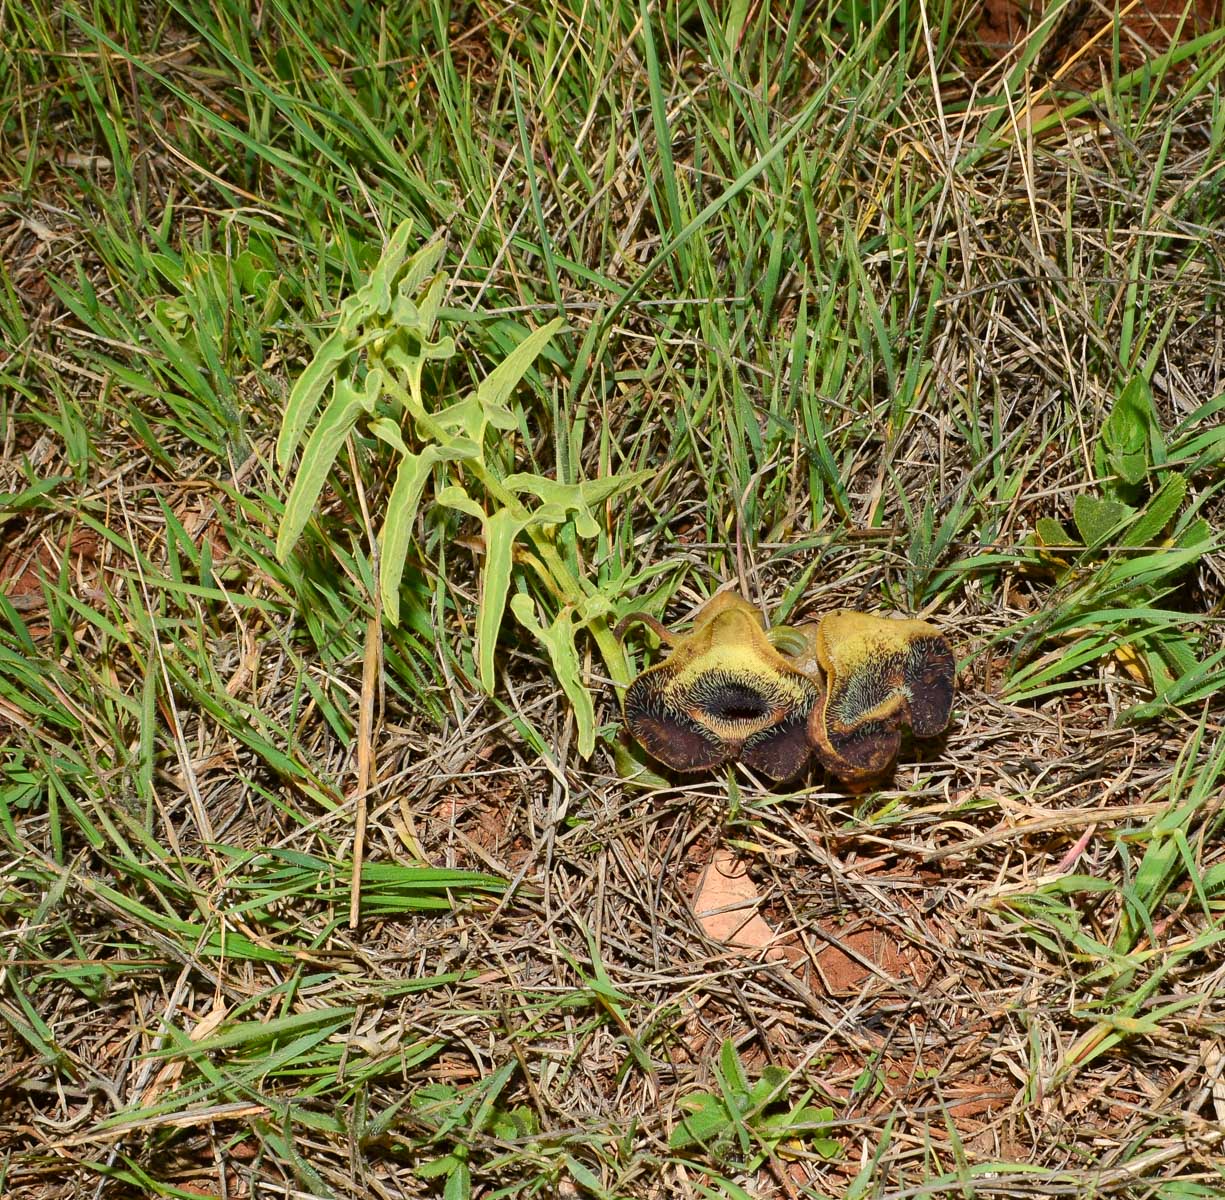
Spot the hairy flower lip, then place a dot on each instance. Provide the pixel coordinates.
(843, 687)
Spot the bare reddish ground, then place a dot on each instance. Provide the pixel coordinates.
(1082, 47)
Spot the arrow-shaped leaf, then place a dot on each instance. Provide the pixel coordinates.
(304, 397)
(322, 447)
(558, 640)
(501, 381)
(558, 500)
(375, 294)
(402, 506)
(501, 530)
(421, 266)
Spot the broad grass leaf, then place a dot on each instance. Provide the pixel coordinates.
(306, 392)
(322, 447)
(1206, 678)
(1213, 879)
(1074, 884)
(1152, 570)
(1204, 451)
(1166, 845)
(558, 641)
(1172, 649)
(267, 1029)
(706, 1120)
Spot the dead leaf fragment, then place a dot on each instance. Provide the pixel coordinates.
(169, 1075)
(726, 904)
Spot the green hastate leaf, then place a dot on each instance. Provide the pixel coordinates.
(596, 491)
(374, 296)
(459, 1183)
(558, 500)
(397, 355)
(501, 530)
(558, 640)
(434, 1168)
(410, 310)
(502, 380)
(322, 447)
(428, 303)
(389, 433)
(402, 504)
(454, 496)
(306, 392)
(465, 416)
(772, 1086)
(420, 267)
(477, 411)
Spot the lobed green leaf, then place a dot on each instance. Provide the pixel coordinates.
(402, 506)
(496, 388)
(558, 641)
(322, 447)
(306, 392)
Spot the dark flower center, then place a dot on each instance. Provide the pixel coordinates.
(735, 702)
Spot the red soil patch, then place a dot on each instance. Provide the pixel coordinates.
(1081, 47)
(24, 568)
(867, 947)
